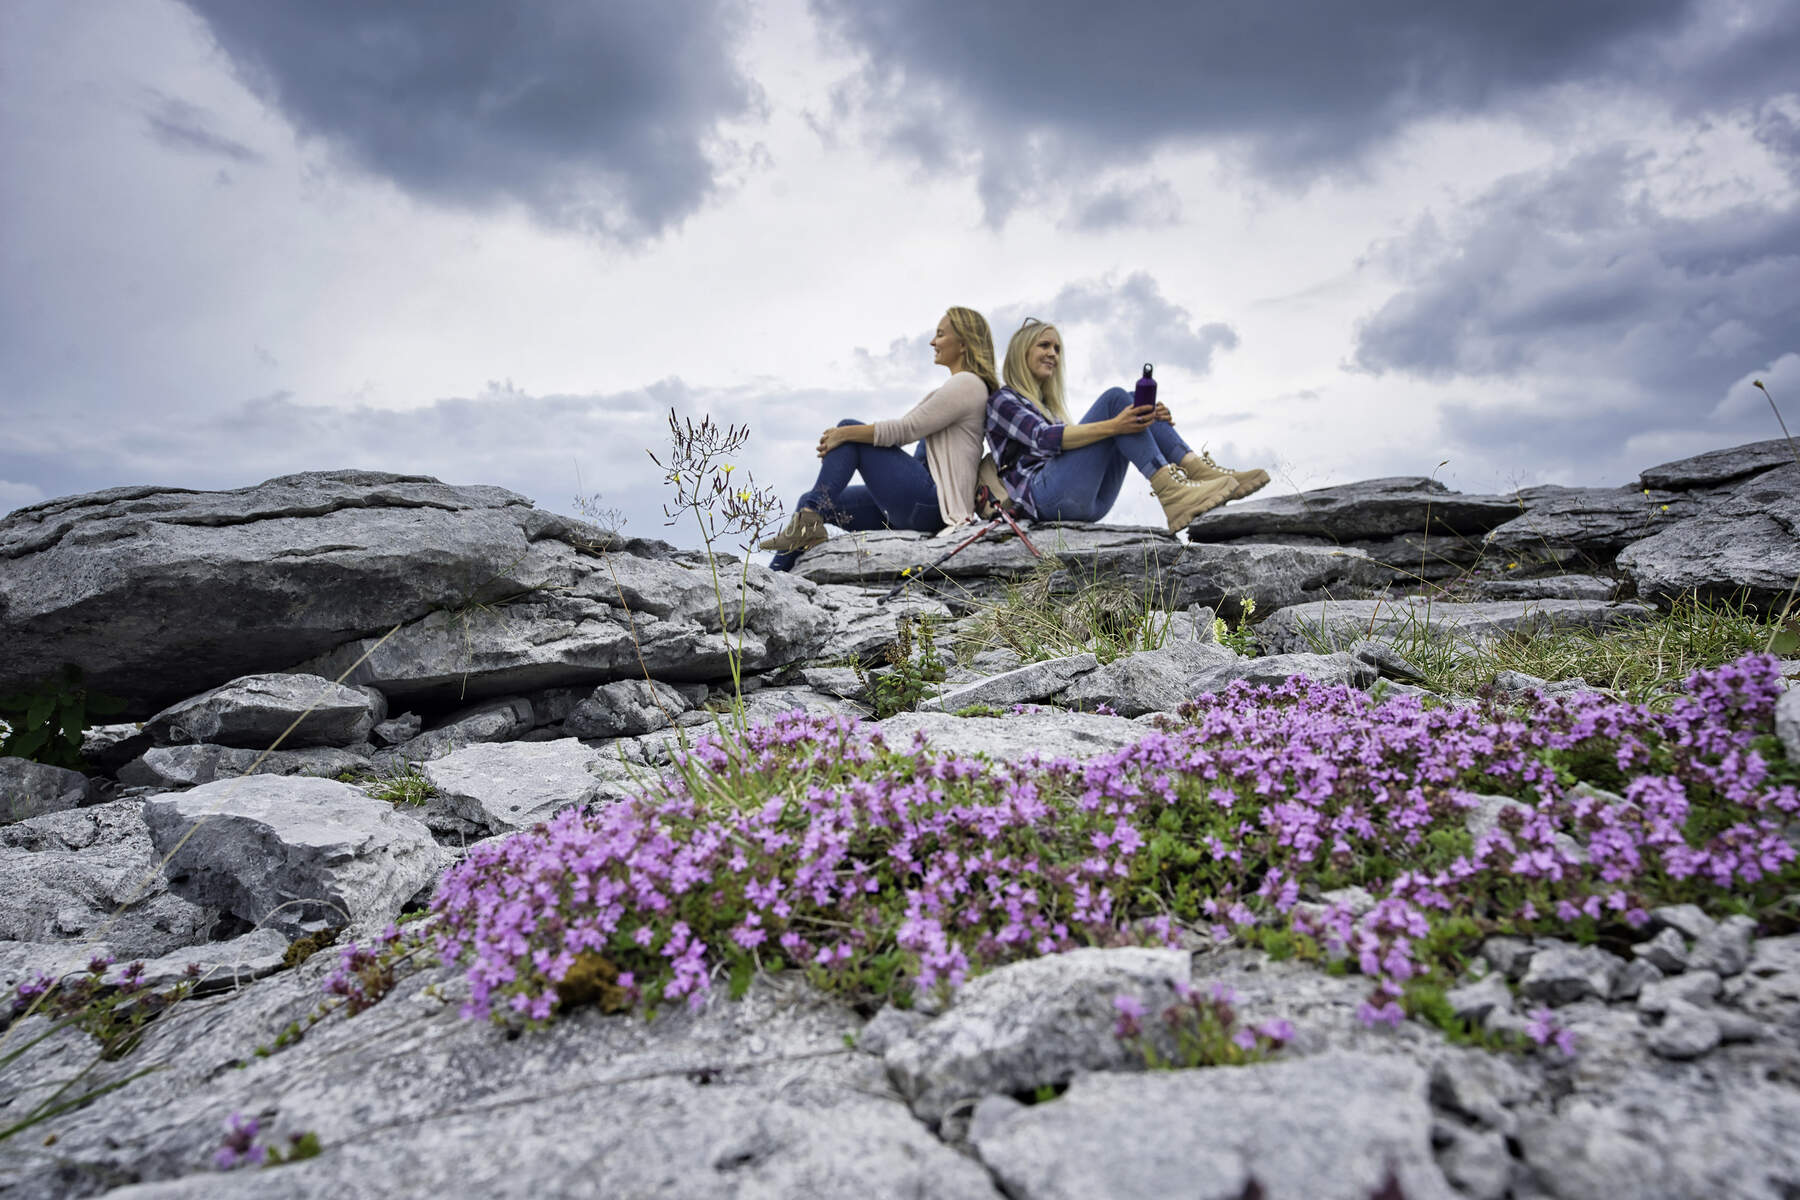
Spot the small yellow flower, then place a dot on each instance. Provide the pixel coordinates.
(728, 468)
(744, 495)
(1512, 566)
(905, 572)
(1665, 508)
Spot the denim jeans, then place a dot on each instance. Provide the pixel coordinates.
(1082, 484)
(897, 491)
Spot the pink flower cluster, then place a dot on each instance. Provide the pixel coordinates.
(810, 843)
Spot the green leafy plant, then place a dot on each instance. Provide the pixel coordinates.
(46, 722)
(1242, 639)
(1197, 1031)
(913, 671)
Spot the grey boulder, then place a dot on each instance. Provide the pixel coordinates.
(1747, 543)
(626, 708)
(1371, 508)
(1028, 684)
(32, 789)
(171, 767)
(1337, 624)
(1276, 669)
(1045, 735)
(1716, 467)
(254, 710)
(90, 876)
(1585, 525)
(292, 854)
(1787, 723)
(1146, 681)
(1032, 1023)
(500, 787)
(1329, 1127)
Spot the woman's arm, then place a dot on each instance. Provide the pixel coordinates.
(962, 395)
(837, 435)
(1131, 419)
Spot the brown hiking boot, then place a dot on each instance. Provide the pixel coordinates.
(804, 530)
(1183, 499)
(1200, 466)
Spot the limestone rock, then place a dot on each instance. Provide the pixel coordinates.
(499, 787)
(1146, 681)
(1725, 948)
(1771, 983)
(1653, 1141)
(1372, 508)
(1274, 576)
(1474, 1001)
(1276, 669)
(1327, 1127)
(1686, 919)
(1686, 1032)
(1562, 974)
(1031, 1023)
(1340, 623)
(396, 730)
(626, 708)
(293, 854)
(1047, 735)
(32, 789)
(1745, 543)
(1509, 955)
(1551, 587)
(1586, 525)
(1787, 723)
(170, 767)
(1692, 987)
(1028, 684)
(90, 875)
(1717, 467)
(254, 710)
(495, 721)
(161, 593)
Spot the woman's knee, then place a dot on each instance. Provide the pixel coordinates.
(1116, 400)
(850, 421)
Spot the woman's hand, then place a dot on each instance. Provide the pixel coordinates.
(831, 439)
(1163, 414)
(1131, 419)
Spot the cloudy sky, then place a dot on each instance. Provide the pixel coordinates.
(496, 241)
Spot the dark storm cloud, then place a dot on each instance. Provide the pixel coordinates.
(594, 116)
(1036, 95)
(182, 126)
(1617, 319)
(1124, 206)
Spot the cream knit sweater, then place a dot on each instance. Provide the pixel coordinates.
(952, 421)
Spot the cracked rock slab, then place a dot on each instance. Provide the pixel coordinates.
(254, 710)
(1031, 1023)
(1338, 624)
(292, 853)
(1328, 1127)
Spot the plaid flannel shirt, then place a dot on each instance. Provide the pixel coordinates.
(1023, 440)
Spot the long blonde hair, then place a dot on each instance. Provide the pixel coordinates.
(1046, 397)
(971, 329)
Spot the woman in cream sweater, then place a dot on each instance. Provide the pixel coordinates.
(927, 490)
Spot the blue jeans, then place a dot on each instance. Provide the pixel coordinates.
(1081, 485)
(897, 491)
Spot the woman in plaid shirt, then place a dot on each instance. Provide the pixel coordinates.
(1058, 470)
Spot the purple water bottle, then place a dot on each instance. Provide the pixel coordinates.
(1145, 394)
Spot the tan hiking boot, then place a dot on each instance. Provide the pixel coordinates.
(1183, 499)
(1201, 466)
(804, 530)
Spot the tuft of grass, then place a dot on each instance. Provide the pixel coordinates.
(1644, 663)
(1037, 618)
(401, 785)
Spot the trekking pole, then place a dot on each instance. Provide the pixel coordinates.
(962, 545)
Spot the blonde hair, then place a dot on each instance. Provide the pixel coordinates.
(971, 329)
(1046, 397)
